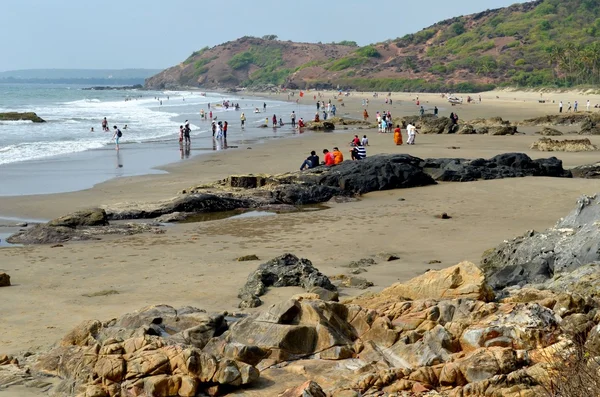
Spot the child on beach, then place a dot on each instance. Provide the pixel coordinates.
(180, 133)
(364, 141)
(243, 119)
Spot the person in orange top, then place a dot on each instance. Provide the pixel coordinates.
(365, 115)
(337, 156)
(398, 135)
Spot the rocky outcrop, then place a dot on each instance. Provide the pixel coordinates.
(320, 126)
(430, 124)
(26, 116)
(509, 165)
(4, 280)
(284, 271)
(567, 145)
(537, 257)
(91, 217)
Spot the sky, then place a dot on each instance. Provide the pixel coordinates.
(118, 34)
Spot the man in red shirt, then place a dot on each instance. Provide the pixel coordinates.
(328, 157)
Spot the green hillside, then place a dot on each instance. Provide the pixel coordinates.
(534, 44)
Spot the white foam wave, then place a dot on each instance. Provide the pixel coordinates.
(39, 150)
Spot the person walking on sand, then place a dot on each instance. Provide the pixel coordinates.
(293, 117)
(398, 136)
(365, 115)
(422, 111)
(576, 106)
(411, 130)
(116, 136)
(587, 105)
(560, 106)
(243, 119)
(264, 106)
(569, 107)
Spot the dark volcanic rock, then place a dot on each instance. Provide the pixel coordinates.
(380, 172)
(284, 271)
(537, 257)
(509, 165)
(91, 217)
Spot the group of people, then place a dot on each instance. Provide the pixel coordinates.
(358, 151)
(184, 134)
(326, 110)
(574, 107)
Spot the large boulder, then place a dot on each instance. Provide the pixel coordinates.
(91, 217)
(547, 131)
(284, 271)
(537, 257)
(588, 171)
(509, 165)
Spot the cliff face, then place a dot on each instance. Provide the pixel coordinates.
(531, 44)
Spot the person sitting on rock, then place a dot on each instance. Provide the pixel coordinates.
(364, 141)
(311, 161)
(337, 156)
(358, 152)
(301, 123)
(328, 157)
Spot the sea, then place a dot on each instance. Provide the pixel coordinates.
(152, 119)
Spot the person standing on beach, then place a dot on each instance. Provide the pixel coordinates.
(422, 111)
(214, 128)
(243, 119)
(117, 135)
(365, 115)
(411, 130)
(186, 133)
(180, 134)
(293, 117)
(560, 106)
(435, 111)
(398, 136)
(225, 125)
(274, 121)
(587, 106)
(576, 106)
(264, 106)
(104, 125)
(210, 115)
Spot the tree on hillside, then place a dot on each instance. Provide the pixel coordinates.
(270, 37)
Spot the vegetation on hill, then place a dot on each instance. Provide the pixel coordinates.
(534, 44)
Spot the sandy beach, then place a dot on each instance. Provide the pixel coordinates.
(194, 264)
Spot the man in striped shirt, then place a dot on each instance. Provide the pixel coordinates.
(358, 152)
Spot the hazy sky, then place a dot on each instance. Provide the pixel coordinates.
(102, 34)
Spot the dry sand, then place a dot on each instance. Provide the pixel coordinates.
(194, 264)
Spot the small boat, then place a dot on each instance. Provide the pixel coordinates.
(455, 100)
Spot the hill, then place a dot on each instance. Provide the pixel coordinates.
(539, 43)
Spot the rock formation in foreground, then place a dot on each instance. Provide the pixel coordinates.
(441, 331)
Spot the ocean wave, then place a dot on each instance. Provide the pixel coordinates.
(9, 122)
(39, 150)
